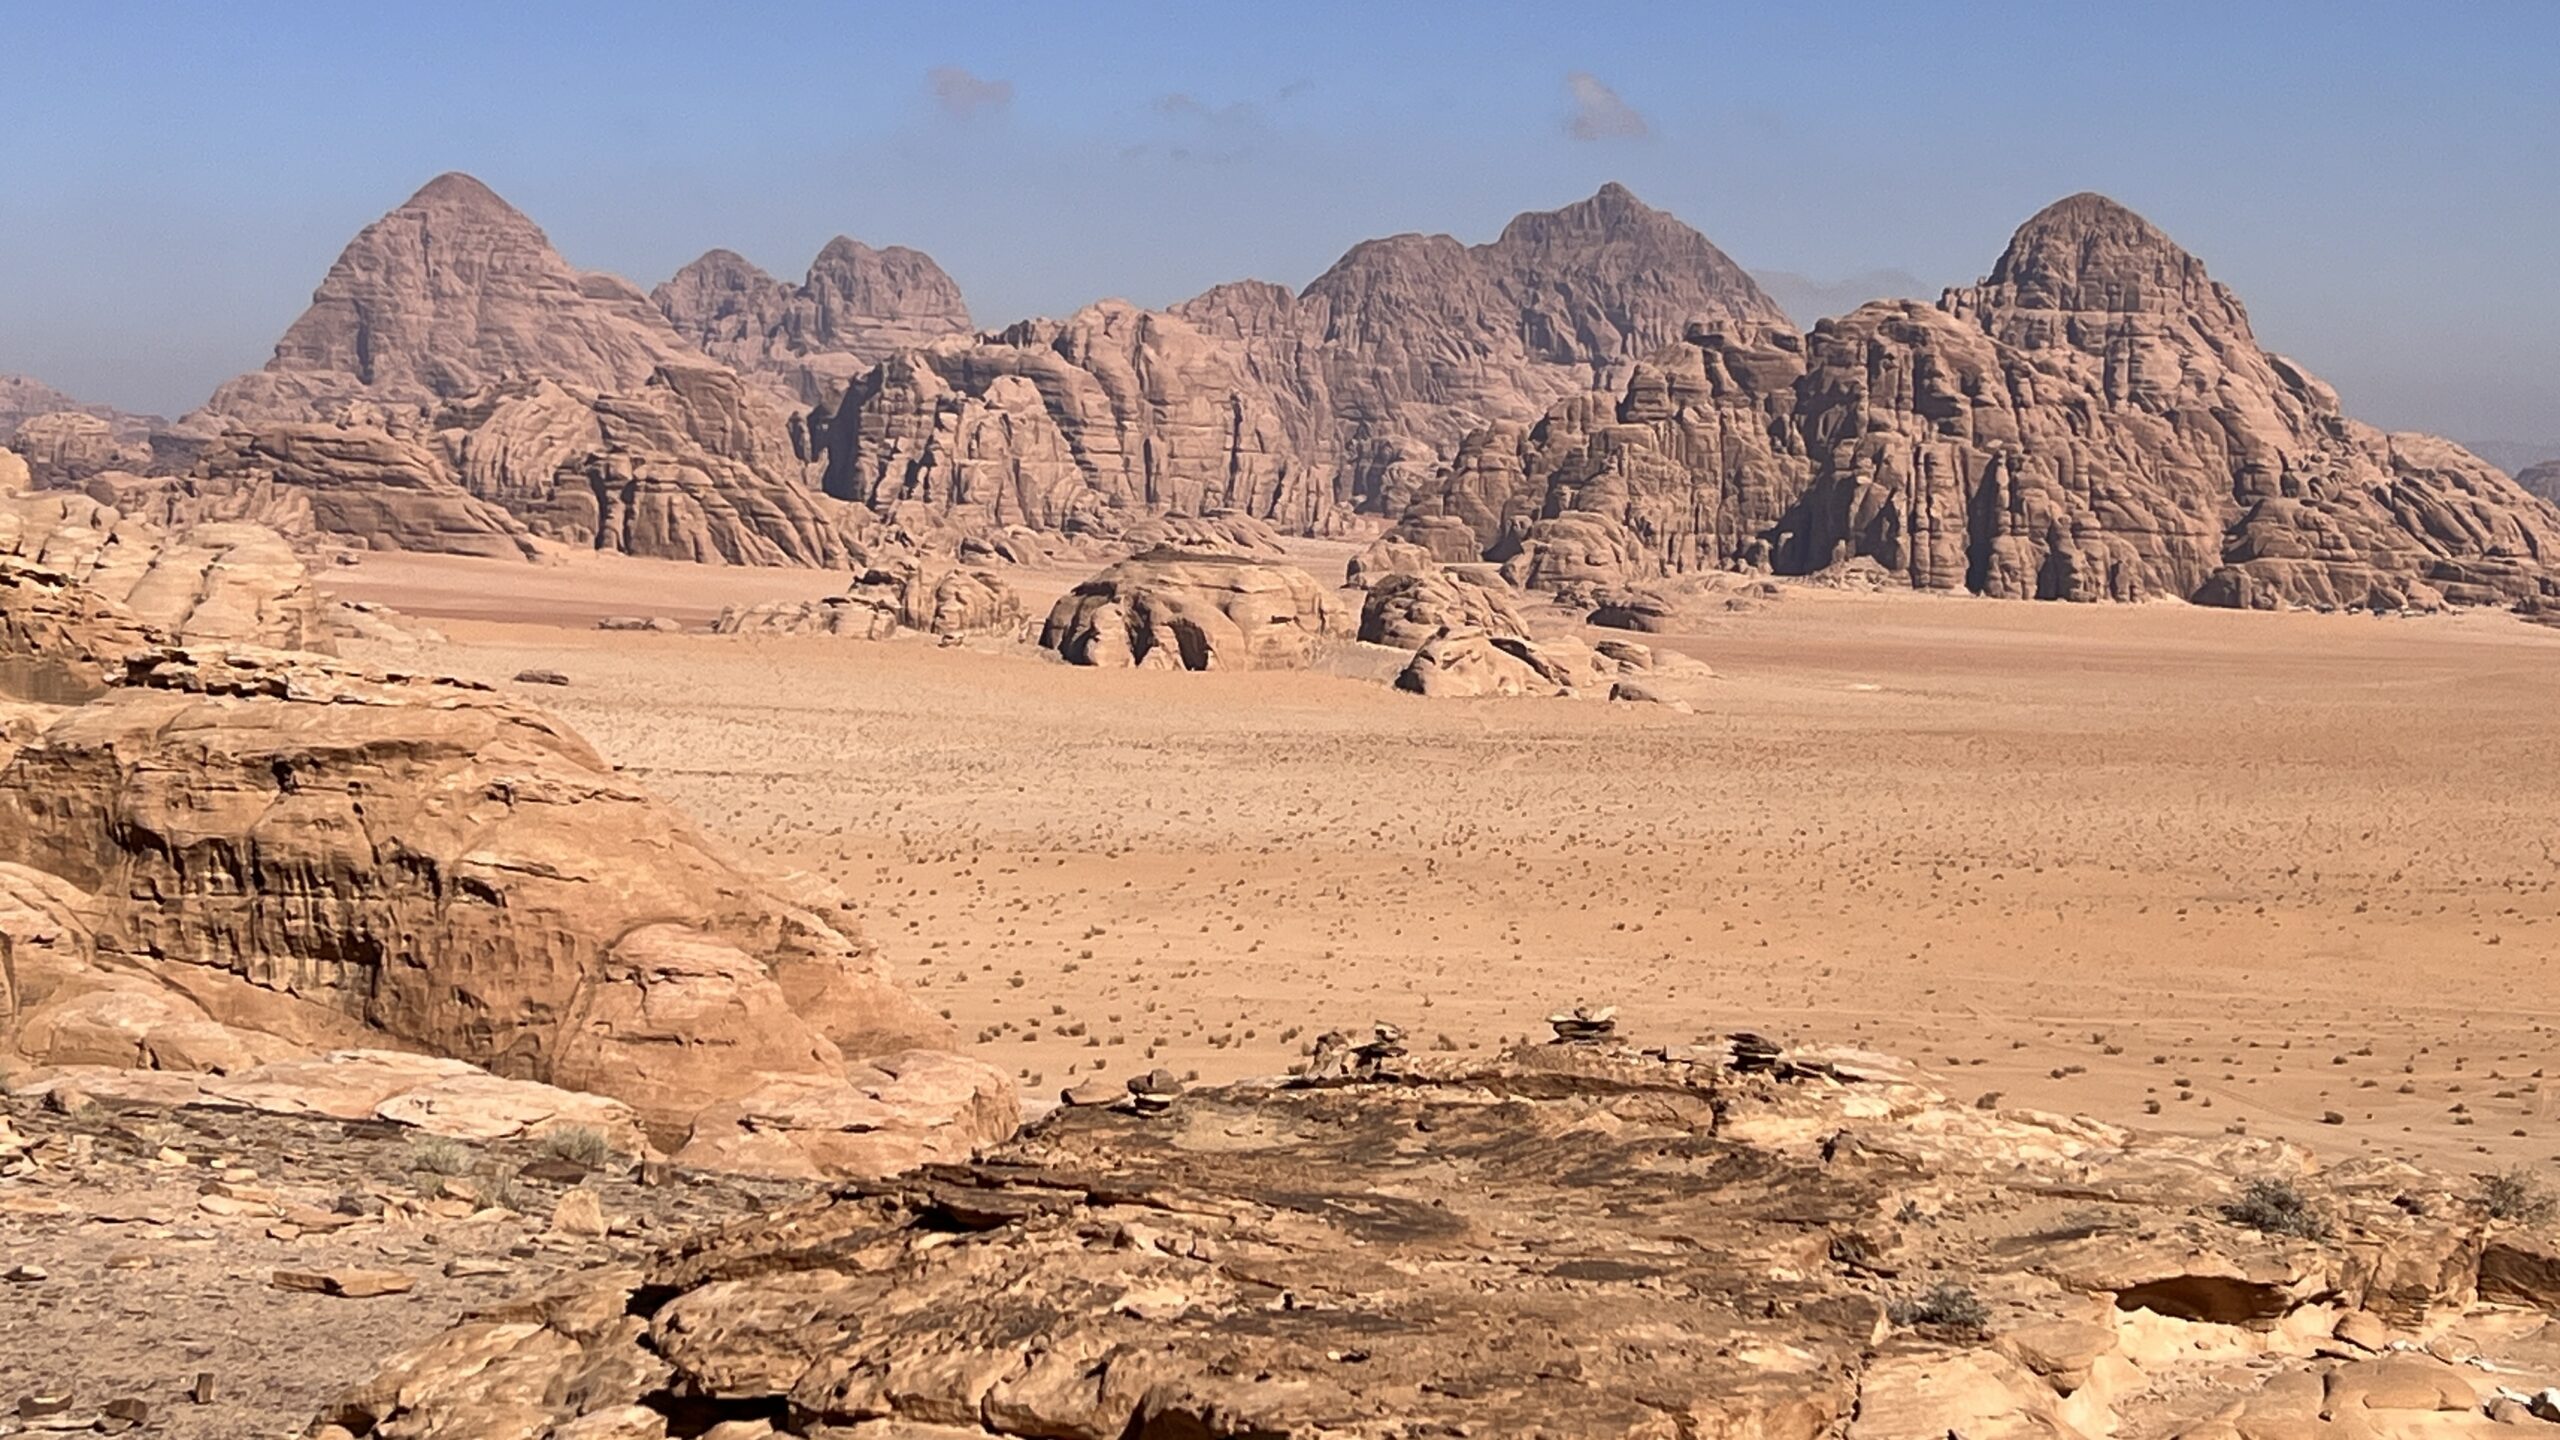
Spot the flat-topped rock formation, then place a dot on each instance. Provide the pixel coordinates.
(2095, 421)
(931, 600)
(1577, 1239)
(1173, 610)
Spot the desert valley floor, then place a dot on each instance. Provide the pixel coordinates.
(2190, 868)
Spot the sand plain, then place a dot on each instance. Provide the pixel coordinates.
(2169, 866)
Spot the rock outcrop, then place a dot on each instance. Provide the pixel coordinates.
(691, 464)
(1178, 611)
(221, 583)
(234, 856)
(1407, 610)
(903, 595)
(2095, 421)
(1570, 1240)
(354, 485)
(856, 307)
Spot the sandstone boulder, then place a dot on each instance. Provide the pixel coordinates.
(312, 850)
(1406, 611)
(1171, 610)
(900, 595)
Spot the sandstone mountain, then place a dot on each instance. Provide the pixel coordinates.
(1298, 408)
(856, 307)
(2095, 421)
(457, 385)
(1598, 396)
(450, 293)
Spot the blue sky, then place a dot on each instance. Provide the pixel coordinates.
(2380, 182)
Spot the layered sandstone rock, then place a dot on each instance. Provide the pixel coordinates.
(449, 294)
(856, 307)
(1170, 610)
(691, 464)
(1407, 610)
(213, 583)
(2094, 421)
(1569, 1240)
(354, 484)
(1293, 408)
(886, 599)
(65, 448)
(267, 854)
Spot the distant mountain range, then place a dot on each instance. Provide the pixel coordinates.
(1596, 396)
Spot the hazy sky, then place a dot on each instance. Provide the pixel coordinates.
(2380, 182)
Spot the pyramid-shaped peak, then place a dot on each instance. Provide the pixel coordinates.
(455, 191)
(1610, 209)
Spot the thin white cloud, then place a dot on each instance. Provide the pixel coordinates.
(963, 95)
(1598, 113)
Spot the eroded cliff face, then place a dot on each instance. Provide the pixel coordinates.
(2095, 421)
(1301, 409)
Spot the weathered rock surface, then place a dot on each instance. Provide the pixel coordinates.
(209, 584)
(690, 464)
(856, 307)
(451, 293)
(1408, 610)
(228, 857)
(1293, 408)
(901, 595)
(66, 447)
(2094, 421)
(1568, 1240)
(353, 484)
(1172, 610)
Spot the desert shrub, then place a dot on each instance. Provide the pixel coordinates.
(1944, 1306)
(2518, 1195)
(578, 1144)
(435, 1155)
(2277, 1207)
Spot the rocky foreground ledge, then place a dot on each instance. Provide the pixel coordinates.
(1577, 1239)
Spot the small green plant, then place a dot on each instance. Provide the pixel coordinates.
(2518, 1195)
(436, 1155)
(578, 1144)
(1946, 1307)
(2277, 1207)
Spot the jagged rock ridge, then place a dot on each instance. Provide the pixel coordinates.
(1297, 408)
(2095, 421)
